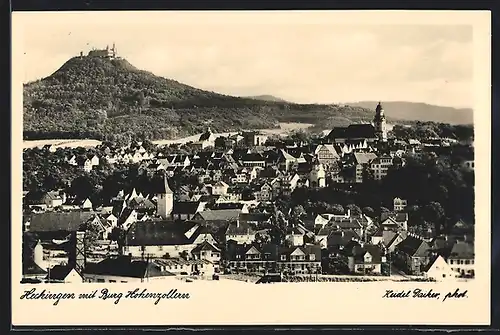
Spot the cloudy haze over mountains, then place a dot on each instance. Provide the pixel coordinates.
(304, 63)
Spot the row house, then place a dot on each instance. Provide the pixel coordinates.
(273, 258)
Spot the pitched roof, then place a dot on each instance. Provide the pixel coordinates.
(364, 157)
(220, 215)
(185, 207)
(399, 217)
(373, 250)
(252, 217)
(31, 268)
(59, 272)
(159, 233)
(353, 131)
(125, 267)
(252, 157)
(337, 238)
(462, 250)
(59, 221)
(205, 245)
(414, 246)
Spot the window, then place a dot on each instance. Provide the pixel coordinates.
(123, 281)
(160, 247)
(283, 257)
(451, 261)
(112, 281)
(100, 280)
(467, 262)
(472, 262)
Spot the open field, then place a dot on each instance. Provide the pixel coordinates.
(66, 143)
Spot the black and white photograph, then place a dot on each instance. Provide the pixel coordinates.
(197, 151)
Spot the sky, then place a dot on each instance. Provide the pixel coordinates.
(295, 56)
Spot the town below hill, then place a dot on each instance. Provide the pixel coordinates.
(357, 204)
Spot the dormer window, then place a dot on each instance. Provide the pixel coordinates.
(312, 257)
(283, 257)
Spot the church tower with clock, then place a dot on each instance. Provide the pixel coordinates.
(380, 124)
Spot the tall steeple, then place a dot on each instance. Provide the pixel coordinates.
(379, 123)
(164, 199)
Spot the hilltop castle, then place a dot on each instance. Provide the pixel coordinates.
(102, 53)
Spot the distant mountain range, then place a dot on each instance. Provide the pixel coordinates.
(404, 110)
(105, 99)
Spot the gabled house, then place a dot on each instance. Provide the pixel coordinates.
(251, 258)
(366, 259)
(461, 259)
(220, 188)
(326, 154)
(186, 210)
(394, 221)
(412, 254)
(438, 270)
(64, 274)
(263, 192)
(295, 236)
(207, 251)
(241, 233)
(300, 260)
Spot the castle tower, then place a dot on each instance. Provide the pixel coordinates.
(164, 200)
(379, 123)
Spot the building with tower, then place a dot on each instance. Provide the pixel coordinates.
(380, 123)
(164, 200)
(104, 53)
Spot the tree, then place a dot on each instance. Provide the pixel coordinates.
(354, 209)
(336, 209)
(262, 238)
(384, 210)
(434, 213)
(368, 211)
(297, 212)
(92, 234)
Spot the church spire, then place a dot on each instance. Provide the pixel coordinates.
(165, 189)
